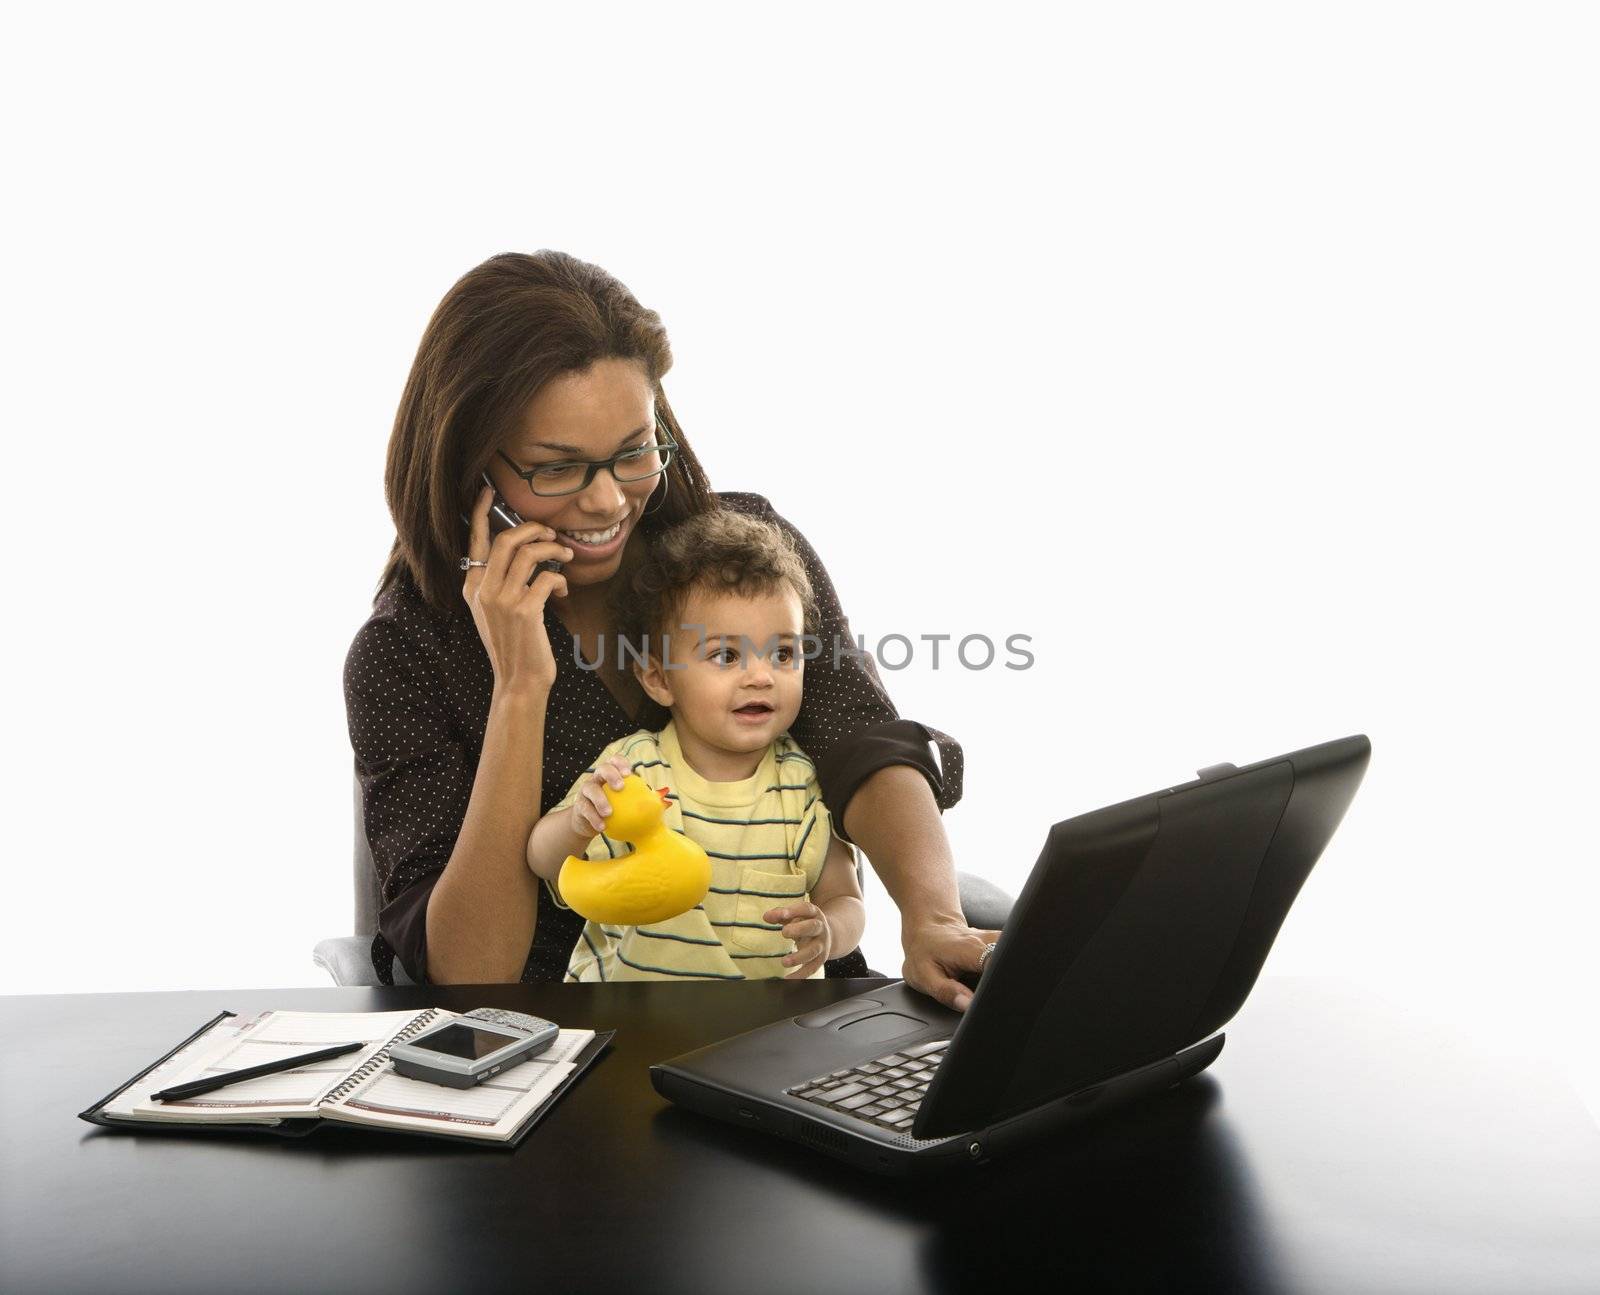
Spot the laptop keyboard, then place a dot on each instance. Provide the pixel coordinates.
(885, 1092)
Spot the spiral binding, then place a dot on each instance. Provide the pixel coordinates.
(377, 1060)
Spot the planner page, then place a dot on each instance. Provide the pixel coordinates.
(185, 1063)
(270, 1037)
(495, 1109)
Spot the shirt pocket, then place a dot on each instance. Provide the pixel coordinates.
(759, 891)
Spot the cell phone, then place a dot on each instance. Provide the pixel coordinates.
(502, 517)
(467, 1050)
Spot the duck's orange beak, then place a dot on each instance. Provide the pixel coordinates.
(665, 799)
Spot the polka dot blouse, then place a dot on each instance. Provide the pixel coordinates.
(417, 688)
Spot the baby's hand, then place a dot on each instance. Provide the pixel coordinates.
(589, 811)
(807, 925)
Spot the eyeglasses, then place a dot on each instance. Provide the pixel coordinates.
(570, 478)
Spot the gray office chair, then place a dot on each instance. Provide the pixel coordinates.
(348, 958)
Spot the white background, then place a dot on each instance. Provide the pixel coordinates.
(1243, 357)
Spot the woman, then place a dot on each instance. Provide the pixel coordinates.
(468, 712)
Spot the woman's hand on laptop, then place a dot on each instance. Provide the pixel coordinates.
(938, 954)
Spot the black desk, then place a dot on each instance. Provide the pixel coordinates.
(1338, 1144)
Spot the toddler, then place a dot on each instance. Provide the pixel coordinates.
(719, 605)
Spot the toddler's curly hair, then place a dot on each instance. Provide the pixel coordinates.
(720, 551)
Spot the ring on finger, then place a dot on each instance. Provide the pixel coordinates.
(468, 563)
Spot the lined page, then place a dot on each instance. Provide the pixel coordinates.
(132, 1102)
(273, 1035)
(482, 1104)
(312, 1030)
(494, 1110)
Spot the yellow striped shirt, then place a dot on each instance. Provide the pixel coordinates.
(767, 837)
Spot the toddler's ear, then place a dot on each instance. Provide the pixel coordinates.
(653, 679)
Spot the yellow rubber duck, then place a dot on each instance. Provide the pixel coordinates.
(666, 874)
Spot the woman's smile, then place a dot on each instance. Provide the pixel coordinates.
(596, 542)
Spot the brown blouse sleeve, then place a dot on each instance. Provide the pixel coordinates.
(847, 724)
(415, 782)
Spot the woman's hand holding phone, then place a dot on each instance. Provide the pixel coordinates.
(507, 609)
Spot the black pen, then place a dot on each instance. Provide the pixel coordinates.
(199, 1086)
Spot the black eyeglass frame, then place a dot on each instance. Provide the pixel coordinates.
(665, 447)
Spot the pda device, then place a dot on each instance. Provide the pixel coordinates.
(466, 1050)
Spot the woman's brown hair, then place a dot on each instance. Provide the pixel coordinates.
(505, 329)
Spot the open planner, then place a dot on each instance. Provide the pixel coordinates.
(360, 1089)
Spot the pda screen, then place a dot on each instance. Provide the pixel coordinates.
(457, 1040)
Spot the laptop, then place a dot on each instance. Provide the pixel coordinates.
(1137, 937)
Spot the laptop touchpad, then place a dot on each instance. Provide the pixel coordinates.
(834, 1011)
(882, 1025)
